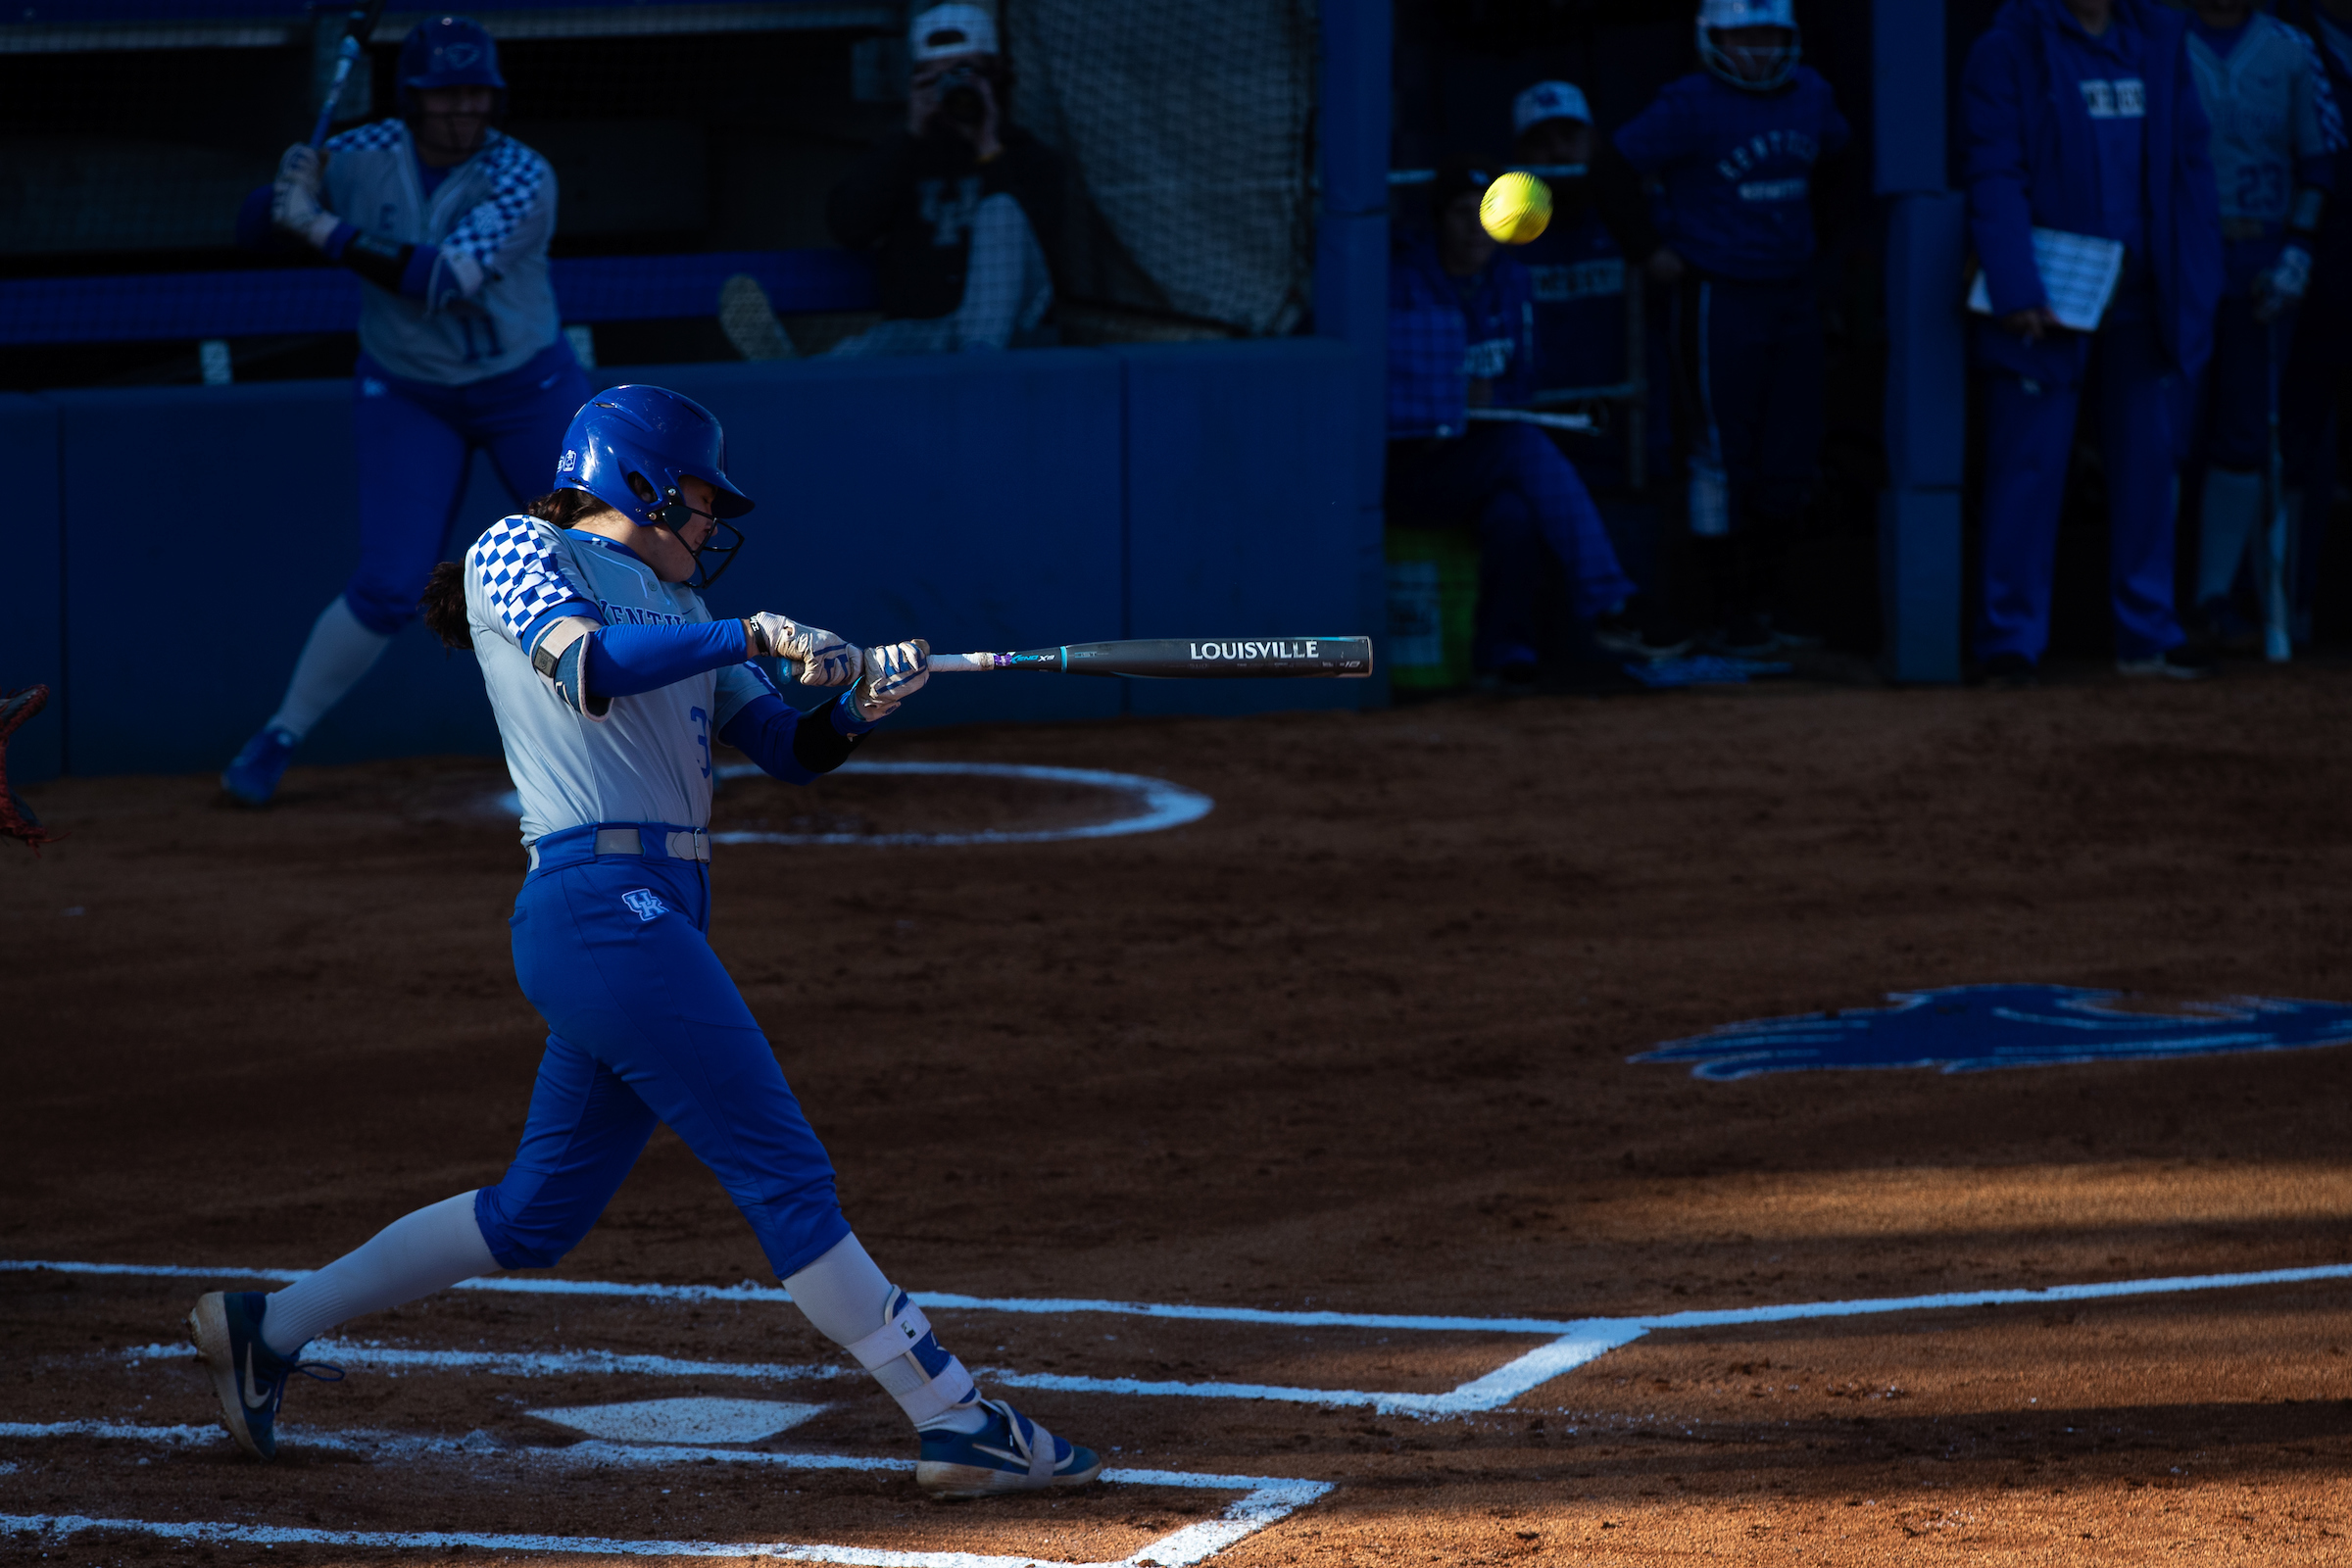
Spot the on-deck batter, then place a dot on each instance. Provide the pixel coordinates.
(608, 678)
(446, 220)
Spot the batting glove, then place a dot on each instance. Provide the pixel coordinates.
(294, 197)
(2282, 289)
(893, 674)
(824, 658)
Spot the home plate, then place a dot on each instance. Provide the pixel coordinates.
(683, 1420)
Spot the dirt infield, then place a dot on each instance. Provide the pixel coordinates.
(1355, 1043)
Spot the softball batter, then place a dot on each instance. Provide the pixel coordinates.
(608, 678)
(446, 220)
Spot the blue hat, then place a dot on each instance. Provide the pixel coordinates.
(1549, 100)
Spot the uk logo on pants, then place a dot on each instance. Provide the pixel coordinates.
(645, 901)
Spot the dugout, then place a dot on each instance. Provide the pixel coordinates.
(1193, 460)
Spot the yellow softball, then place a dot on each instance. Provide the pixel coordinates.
(1515, 207)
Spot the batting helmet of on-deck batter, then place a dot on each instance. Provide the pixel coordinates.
(661, 437)
(448, 52)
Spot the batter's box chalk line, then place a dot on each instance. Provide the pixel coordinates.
(1264, 1498)
(1155, 804)
(1572, 1343)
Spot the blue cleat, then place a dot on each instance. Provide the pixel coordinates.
(253, 778)
(1011, 1453)
(250, 1378)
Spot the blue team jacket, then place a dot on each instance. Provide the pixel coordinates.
(2030, 160)
(1736, 169)
(1438, 342)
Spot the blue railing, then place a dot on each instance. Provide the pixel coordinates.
(176, 306)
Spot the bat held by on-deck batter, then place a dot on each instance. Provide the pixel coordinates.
(356, 27)
(1225, 658)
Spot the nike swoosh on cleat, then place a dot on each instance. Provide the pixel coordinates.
(254, 1398)
(1001, 1454)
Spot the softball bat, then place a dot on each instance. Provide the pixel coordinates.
(1225, 658)
(1166, 657)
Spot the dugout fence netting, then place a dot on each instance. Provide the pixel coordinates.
(691, 142)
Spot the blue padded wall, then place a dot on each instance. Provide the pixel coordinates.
(1241, 513)
(972, 500)
(263, 534)
(33, 650)
(984, 502)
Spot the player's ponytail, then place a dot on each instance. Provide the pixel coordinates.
(444, 606)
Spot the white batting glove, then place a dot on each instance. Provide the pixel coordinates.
(294, 198)
(2282, 289)
(892, 674)
(824, 659)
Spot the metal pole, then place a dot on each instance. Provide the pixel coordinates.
(1351, 259)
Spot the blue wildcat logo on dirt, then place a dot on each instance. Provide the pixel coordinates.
(1975, 1028)
(645, 902)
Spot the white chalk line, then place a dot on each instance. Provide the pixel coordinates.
(1581, 1341)
(1265, 1500)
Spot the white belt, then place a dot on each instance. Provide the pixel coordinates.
(683, 844)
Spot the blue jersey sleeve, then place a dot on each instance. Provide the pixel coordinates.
(2000, 216)
(623, 661)
(791, 745)
(1657, 135)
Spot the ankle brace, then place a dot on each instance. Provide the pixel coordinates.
(905, 1356)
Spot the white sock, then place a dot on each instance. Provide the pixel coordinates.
(847, 1299)
(340, 651)
(414, 1256)
(2233, 497)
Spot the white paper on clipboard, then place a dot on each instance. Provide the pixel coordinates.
(2078, 273)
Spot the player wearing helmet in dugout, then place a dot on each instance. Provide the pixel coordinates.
(445, 219)
(1734, 151)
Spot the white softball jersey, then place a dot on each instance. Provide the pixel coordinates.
(647, 758)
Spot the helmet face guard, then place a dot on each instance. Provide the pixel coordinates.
(1746, 66)
(660, 438)
(448, 52)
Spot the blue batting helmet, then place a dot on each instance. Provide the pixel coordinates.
(661, 437)
(448, 52)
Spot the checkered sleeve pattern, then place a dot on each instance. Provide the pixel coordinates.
(520, 180)
(382, 135)
(2322, 129)
(521, 578)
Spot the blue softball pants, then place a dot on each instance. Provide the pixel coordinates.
(415, 439)
(2028, 438)
(645, 1026)
(1527, 499)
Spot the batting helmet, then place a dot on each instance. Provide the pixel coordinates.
(448, 52)
(661, 437)
(1778, 63)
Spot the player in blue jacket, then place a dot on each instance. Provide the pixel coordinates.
(2276, 134)
(1734, 150)
(446, 220)
(1461, 337)
(1575, 264)
(2322, 343)
(2081, 116)
(610, 679)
